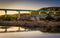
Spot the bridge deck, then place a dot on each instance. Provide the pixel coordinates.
(29, 10)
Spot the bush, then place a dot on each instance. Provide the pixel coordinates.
(49, 17)
(8, 18)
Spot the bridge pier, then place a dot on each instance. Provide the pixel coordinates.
(18, 15)
(54, 13)
(39, 13)
(48, 12)
(18, 28)
(5, 29)
(5, 13)
(30, 13)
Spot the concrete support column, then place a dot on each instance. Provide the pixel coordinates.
(47, 12)
(18, 15)
(39, 13)
(18, 28)
(5, 13)
(5, 28)
(54, 13)
(30, 13)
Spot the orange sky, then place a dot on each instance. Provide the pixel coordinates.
(12, 12)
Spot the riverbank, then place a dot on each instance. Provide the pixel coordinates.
(47, 23)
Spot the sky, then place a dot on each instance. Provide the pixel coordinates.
(28, 4)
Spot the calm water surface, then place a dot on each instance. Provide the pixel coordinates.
(29, 34)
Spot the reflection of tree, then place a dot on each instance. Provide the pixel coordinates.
(19, 26)
(51, 29)
(5, 27)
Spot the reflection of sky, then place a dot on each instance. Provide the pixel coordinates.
(12, 29)
(28, 4)
(31, 34)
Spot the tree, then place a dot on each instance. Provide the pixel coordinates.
(5, 27)
(49, 17)
(8, 18)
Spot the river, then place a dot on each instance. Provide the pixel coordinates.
(28, 34)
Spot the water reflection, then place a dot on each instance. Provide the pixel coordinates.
(23, 32)
(24, 29)
(2, 29)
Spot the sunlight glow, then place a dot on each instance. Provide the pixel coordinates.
(24, 12)
(2, 13)
(12, 12)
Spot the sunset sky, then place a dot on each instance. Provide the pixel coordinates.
(28, 4)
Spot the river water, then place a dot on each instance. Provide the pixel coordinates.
(28, 34)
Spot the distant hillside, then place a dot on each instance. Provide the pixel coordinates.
(51, 8)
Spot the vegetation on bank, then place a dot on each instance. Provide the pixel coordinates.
(54, 29)
(50, 26)
(8, 18)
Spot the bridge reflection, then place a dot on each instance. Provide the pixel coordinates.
(4, 29)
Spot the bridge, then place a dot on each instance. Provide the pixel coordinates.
(19, 10)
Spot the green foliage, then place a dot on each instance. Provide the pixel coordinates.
(8, 18)
(49, 17)
(53, 9)
(57, 13)
(34, 12)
